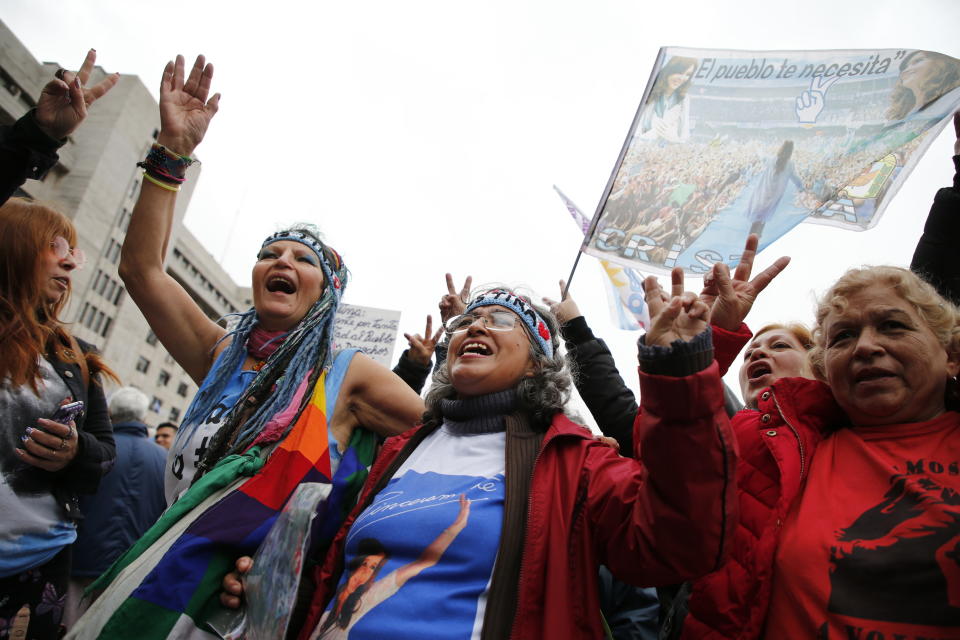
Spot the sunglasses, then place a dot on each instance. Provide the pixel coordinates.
(62, 249)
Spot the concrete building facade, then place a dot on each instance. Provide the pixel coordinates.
(96, 184)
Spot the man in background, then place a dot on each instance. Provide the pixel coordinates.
(166, 432)
(128, 502)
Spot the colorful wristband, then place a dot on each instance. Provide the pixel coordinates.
(159, 183)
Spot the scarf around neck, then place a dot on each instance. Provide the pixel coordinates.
(482, 414)
(262, 343)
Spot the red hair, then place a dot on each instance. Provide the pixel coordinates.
(29, 323)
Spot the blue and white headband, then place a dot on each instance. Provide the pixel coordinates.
(536, 325)
(329, 270)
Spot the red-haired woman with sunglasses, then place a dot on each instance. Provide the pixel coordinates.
(44, 462)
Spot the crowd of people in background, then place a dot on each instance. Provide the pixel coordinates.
(825, 505)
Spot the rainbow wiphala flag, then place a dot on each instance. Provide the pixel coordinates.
(167, 585)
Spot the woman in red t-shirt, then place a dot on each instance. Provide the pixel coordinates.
(849, 484)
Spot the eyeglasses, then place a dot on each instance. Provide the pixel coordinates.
(62, 249)
(495, 321)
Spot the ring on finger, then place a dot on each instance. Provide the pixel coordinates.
(63, 444)
(59, 74)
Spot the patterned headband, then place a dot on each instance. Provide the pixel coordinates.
(536, 325)
(329, 270)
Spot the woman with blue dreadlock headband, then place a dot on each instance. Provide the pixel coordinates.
(276, 407)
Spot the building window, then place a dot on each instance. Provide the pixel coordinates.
(83, 314)
(156, 404)
(133, 188)
(182, 389)
(174, 414)
(163, 378)
(151, 338)
(106, 327)
(113, 251)
(118, 296)
(143, 365)
(93, 319)
(98, 324)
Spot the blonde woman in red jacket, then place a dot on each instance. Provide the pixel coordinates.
(848, 483)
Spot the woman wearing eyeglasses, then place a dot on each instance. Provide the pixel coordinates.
(491, 519)
(44, 463)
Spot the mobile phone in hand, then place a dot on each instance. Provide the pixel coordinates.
(68, 412)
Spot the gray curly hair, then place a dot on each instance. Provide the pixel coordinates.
(541, 396)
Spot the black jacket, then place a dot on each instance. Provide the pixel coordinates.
(609, 399)
(96, 450)
(25, 152)
(937, 256)
(413, 373)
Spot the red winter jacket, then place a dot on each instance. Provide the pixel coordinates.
(661, 521)
(777, 443)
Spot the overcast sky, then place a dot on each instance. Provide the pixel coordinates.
(424, 136)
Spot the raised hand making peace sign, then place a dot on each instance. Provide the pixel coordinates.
(453, 303)
(64, 100)
(730, 300)
(678, 316)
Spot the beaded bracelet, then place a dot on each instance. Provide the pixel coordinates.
(165, 166)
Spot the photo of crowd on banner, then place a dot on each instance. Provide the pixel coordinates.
(725, 146)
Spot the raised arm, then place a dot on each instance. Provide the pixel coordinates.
(432, 554)
(183, 328)
(598, 381)
(671, 517)
(935, 258)
(414, 364)
(28, 149)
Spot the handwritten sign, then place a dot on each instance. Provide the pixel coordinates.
(373, 331)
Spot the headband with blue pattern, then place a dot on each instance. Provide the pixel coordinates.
(526, 312)
(329, 270)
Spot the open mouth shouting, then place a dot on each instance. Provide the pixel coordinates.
(758, 371)
(475, 348)
(279, 283)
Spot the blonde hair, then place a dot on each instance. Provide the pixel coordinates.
(797, 329)
(942, 317)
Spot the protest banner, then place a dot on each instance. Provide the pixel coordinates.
(727, 143)
(373, 331)
(625, 301)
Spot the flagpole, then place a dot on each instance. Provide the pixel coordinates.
(570, 277)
